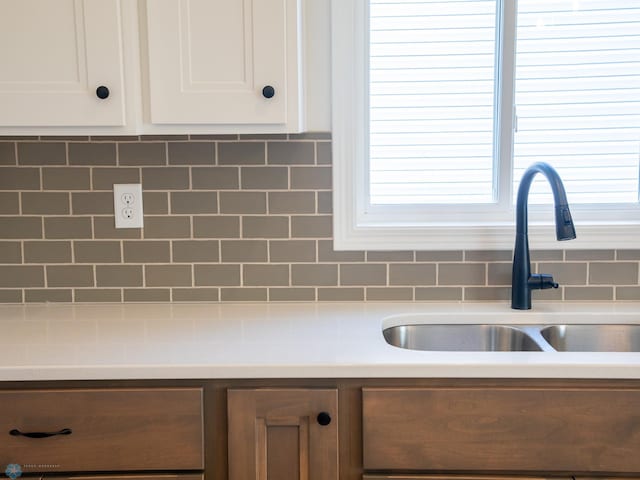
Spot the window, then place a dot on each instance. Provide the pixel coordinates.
(439, 106)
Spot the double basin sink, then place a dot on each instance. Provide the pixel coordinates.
(520, 338)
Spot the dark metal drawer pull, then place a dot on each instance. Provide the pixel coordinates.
(18, 433)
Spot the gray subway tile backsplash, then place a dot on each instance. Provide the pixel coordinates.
(20, 227)
(194, 202)
(16, 178)
(192, 153)
(217, 275)
(363, 274)
(21, 276)
(66, 178)
(241, 153)
(104, 178)
(264, 178)
(147, 251)
(196, 251)
(165, 178)
(142, 154)
(97, 251)
(290, 153)
(147, 294)
(265, 226)
(215, 178)
(9, 203)
(292, 202)
(232, 218)
(246, 294)
(168, 275)
(67, 227)
(42, 153)
(195, 294)
(93, 154)
(45, 203)
(40, 295)
(92, 203)
(11, 252)
(613, 273)
(41, 251)
(292, 251)
(7, 153)
(70, 276)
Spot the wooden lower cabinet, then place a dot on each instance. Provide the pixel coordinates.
(323, 429)
(283, 434)
(517, 429)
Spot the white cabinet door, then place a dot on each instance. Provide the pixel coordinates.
(209, 61)
(53, 56)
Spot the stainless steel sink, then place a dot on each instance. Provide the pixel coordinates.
(466, 338)
(593, 338)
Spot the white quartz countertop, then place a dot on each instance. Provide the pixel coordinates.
(301, 340)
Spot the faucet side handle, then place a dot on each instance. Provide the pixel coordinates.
(541, 281)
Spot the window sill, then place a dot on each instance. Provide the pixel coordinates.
(490, 237)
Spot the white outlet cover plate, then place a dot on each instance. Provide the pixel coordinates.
(127, 205)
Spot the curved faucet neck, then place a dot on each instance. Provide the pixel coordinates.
(559, 194)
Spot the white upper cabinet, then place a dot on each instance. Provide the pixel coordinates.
(161, 66)
(224, 62)
(54, 57)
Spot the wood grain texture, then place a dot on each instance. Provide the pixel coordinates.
(274, 435)
(159, 476)
(113, 430)
(501, 429)
(463, 477)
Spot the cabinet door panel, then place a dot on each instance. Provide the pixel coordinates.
(210, 59)
(502, 429)
(274, 434)
(54, 55)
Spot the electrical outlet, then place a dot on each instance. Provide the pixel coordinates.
(127, 205)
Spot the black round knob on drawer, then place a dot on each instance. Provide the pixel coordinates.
(102, 92)
(324, 418)
(268, 91)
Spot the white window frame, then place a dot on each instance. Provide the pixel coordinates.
(361, 226)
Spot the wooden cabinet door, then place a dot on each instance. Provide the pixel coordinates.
(54, 56)
(274, 434)
(209, 61)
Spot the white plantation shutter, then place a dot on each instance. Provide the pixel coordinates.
(578, 96)
(431, 101)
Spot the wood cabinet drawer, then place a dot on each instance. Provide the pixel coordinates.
(502, 429)
(110, 429)
(158, 476)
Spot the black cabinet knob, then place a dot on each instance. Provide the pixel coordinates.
(324, 418)
(102, 92)
(268, 91)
